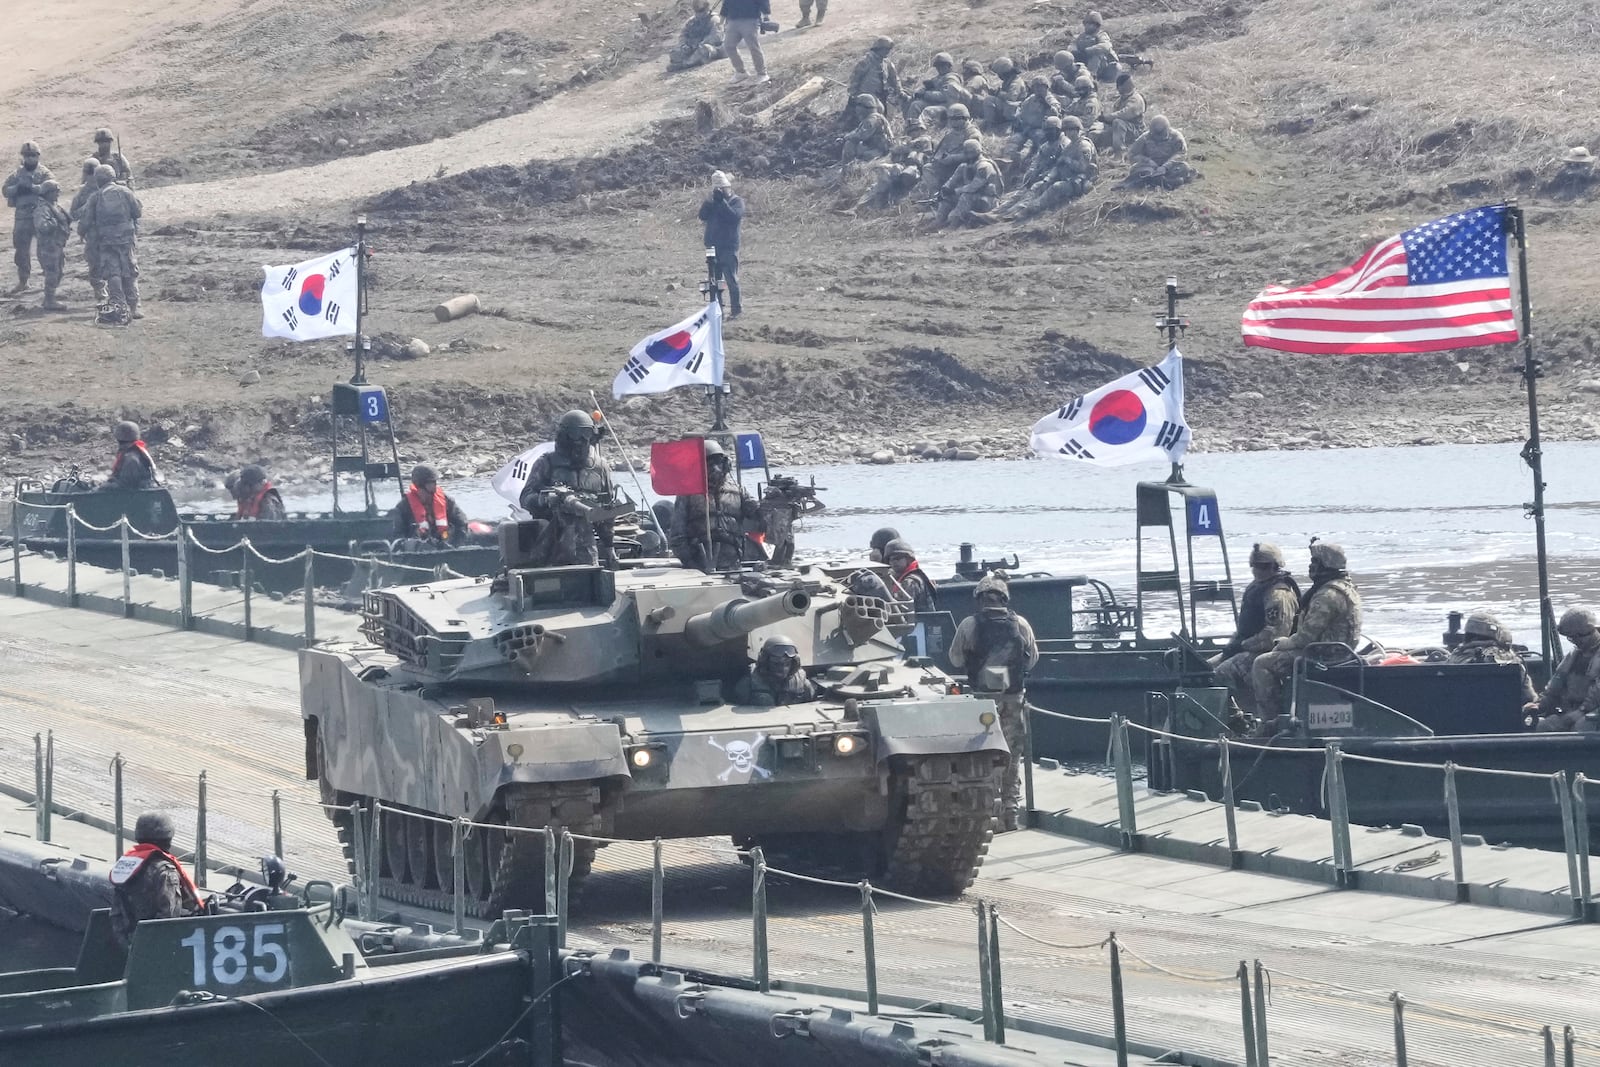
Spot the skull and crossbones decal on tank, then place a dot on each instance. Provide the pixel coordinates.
(742, 756)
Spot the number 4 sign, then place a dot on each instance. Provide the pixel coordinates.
(1204, 519)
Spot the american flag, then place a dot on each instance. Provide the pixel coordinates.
(1444, 284)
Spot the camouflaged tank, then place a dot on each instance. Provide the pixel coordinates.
(602, 701)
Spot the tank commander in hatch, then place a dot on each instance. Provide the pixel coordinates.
(561, 488)
(776, 677)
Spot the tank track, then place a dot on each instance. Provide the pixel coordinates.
(945, 810)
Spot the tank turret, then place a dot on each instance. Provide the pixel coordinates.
(619, 704)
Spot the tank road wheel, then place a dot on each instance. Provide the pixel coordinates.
(519, 874)
(419, 858)
(444, 861)
(336, 806)
(477, 866)
(943, 811)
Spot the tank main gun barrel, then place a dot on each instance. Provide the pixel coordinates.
(737, 618)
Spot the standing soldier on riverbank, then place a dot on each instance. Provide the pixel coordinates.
(112, 215)
(22, 193)
(112, 157)
(1266, 612)
(91, 249)
(148, 882)
(1329, 614)
(52, 226)
(996, 648)
(1572, 695)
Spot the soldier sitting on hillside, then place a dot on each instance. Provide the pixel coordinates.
(1158, 158)
(874, 75)
(1093, 48)
(896, 176)
(972, 193)
(872, 137)
(700, 40)
(950, 151)
(1000, 106)
(1123, 119)
(1030, 125)
(944, 88)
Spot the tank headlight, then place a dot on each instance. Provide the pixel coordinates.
(643, 757)
(986, 718)
(846, 744)
(514, 750)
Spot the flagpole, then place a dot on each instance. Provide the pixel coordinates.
(1172, 326)
(361, 299)
(712, 288)
(1532, 453)
(605, 422)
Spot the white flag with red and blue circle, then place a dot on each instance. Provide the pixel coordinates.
(1136, 418)
(311, 300)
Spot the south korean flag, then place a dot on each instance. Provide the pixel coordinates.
(1138, 417)
(311, 300)
(509, 480)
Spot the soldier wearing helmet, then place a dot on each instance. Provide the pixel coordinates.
(880, 539)
(1267, 612)
(776, 678)
(254, 496)
(52, 225)
(996, 649)
(1330, 613)
(91, 250)
(106, 152)
(1084, 103)
(1484, 640)
(944, 88)
(426, 514)
(1123, 121)
(951, 151)
(148, 882)
(872, 137)
(1571, 698)
(1093, 48)
(700, 40)
(22, 193)
(999, 108)
(1037, 106)
(112, 214)
(874, 75)
(915, 585)
(133, 467)
(1158, 157)
(970, 195)
(715, 531)
(561, 488)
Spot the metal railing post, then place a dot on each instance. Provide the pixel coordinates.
(39, 831)
(1399, 1029)
(1569, 1047)
(1027, 767)
(200, 835)
(1452, 806)
(458, 866)
(1339, 818)
(16, 550)
(277, 824)
(1261, 1015)
(1229, 808)
(244, 584)
(1119, 1018)
(985, 979)
(127, 568)
(658, 892)
(185, 586)
(374, 856)
(1569, 834)
(311, 598)
(996, 989)
(564, 885)
(552, 873)
(1127, 817)
(72, 556)
(1580, 818)
(869, 947)
(1549, 1038)
(358, 852)
(49, 781)
(1247, 1016)
(116, 803)
(758, 914)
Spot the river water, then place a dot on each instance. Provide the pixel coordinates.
(1427, 529)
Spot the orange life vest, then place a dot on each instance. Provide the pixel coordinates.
(144, 450)
(437, 508)
(134, 860)
(251, 509)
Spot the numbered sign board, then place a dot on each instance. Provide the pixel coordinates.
(1204, 519)
(374, 405)
(256, 956)
(752, 452)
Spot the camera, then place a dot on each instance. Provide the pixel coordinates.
(769, 25)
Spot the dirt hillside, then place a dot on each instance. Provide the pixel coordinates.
(541, 157)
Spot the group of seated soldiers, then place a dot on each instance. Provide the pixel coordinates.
(1058, 122)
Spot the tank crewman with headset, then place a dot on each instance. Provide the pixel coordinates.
(563, 484)
(254, 496)
(134, 467)
(776, 678)
(425, 513)
(996, 648)
(148, 882)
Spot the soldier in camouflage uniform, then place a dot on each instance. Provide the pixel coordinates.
(976, 81)
(1000, 106)
(872, 137)
(880, 540)
(105, 153)
(722, 546)
(91, 251)
(112, 215)
(148, 882)
(700, 40)
(1571, 699)
(900, 173)
(776, 678)
(562, 486)
(805, 12)
(1044, 157)
(996, 649)
(944, 88)
(1093, 48)
(1124, 122)
(875, 75)
(951, 150)
(913, 581)
(1329, 613)
(1085, 105)
(1038, 106)
(1157, 157)
(783, 503)
(21, 191)
(1069, 175)
(53, 227)
(1266, 612)
(1486, 641)
(1068, 67)
(971, 194)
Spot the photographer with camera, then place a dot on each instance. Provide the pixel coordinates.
(743, 20)
(723, 214)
